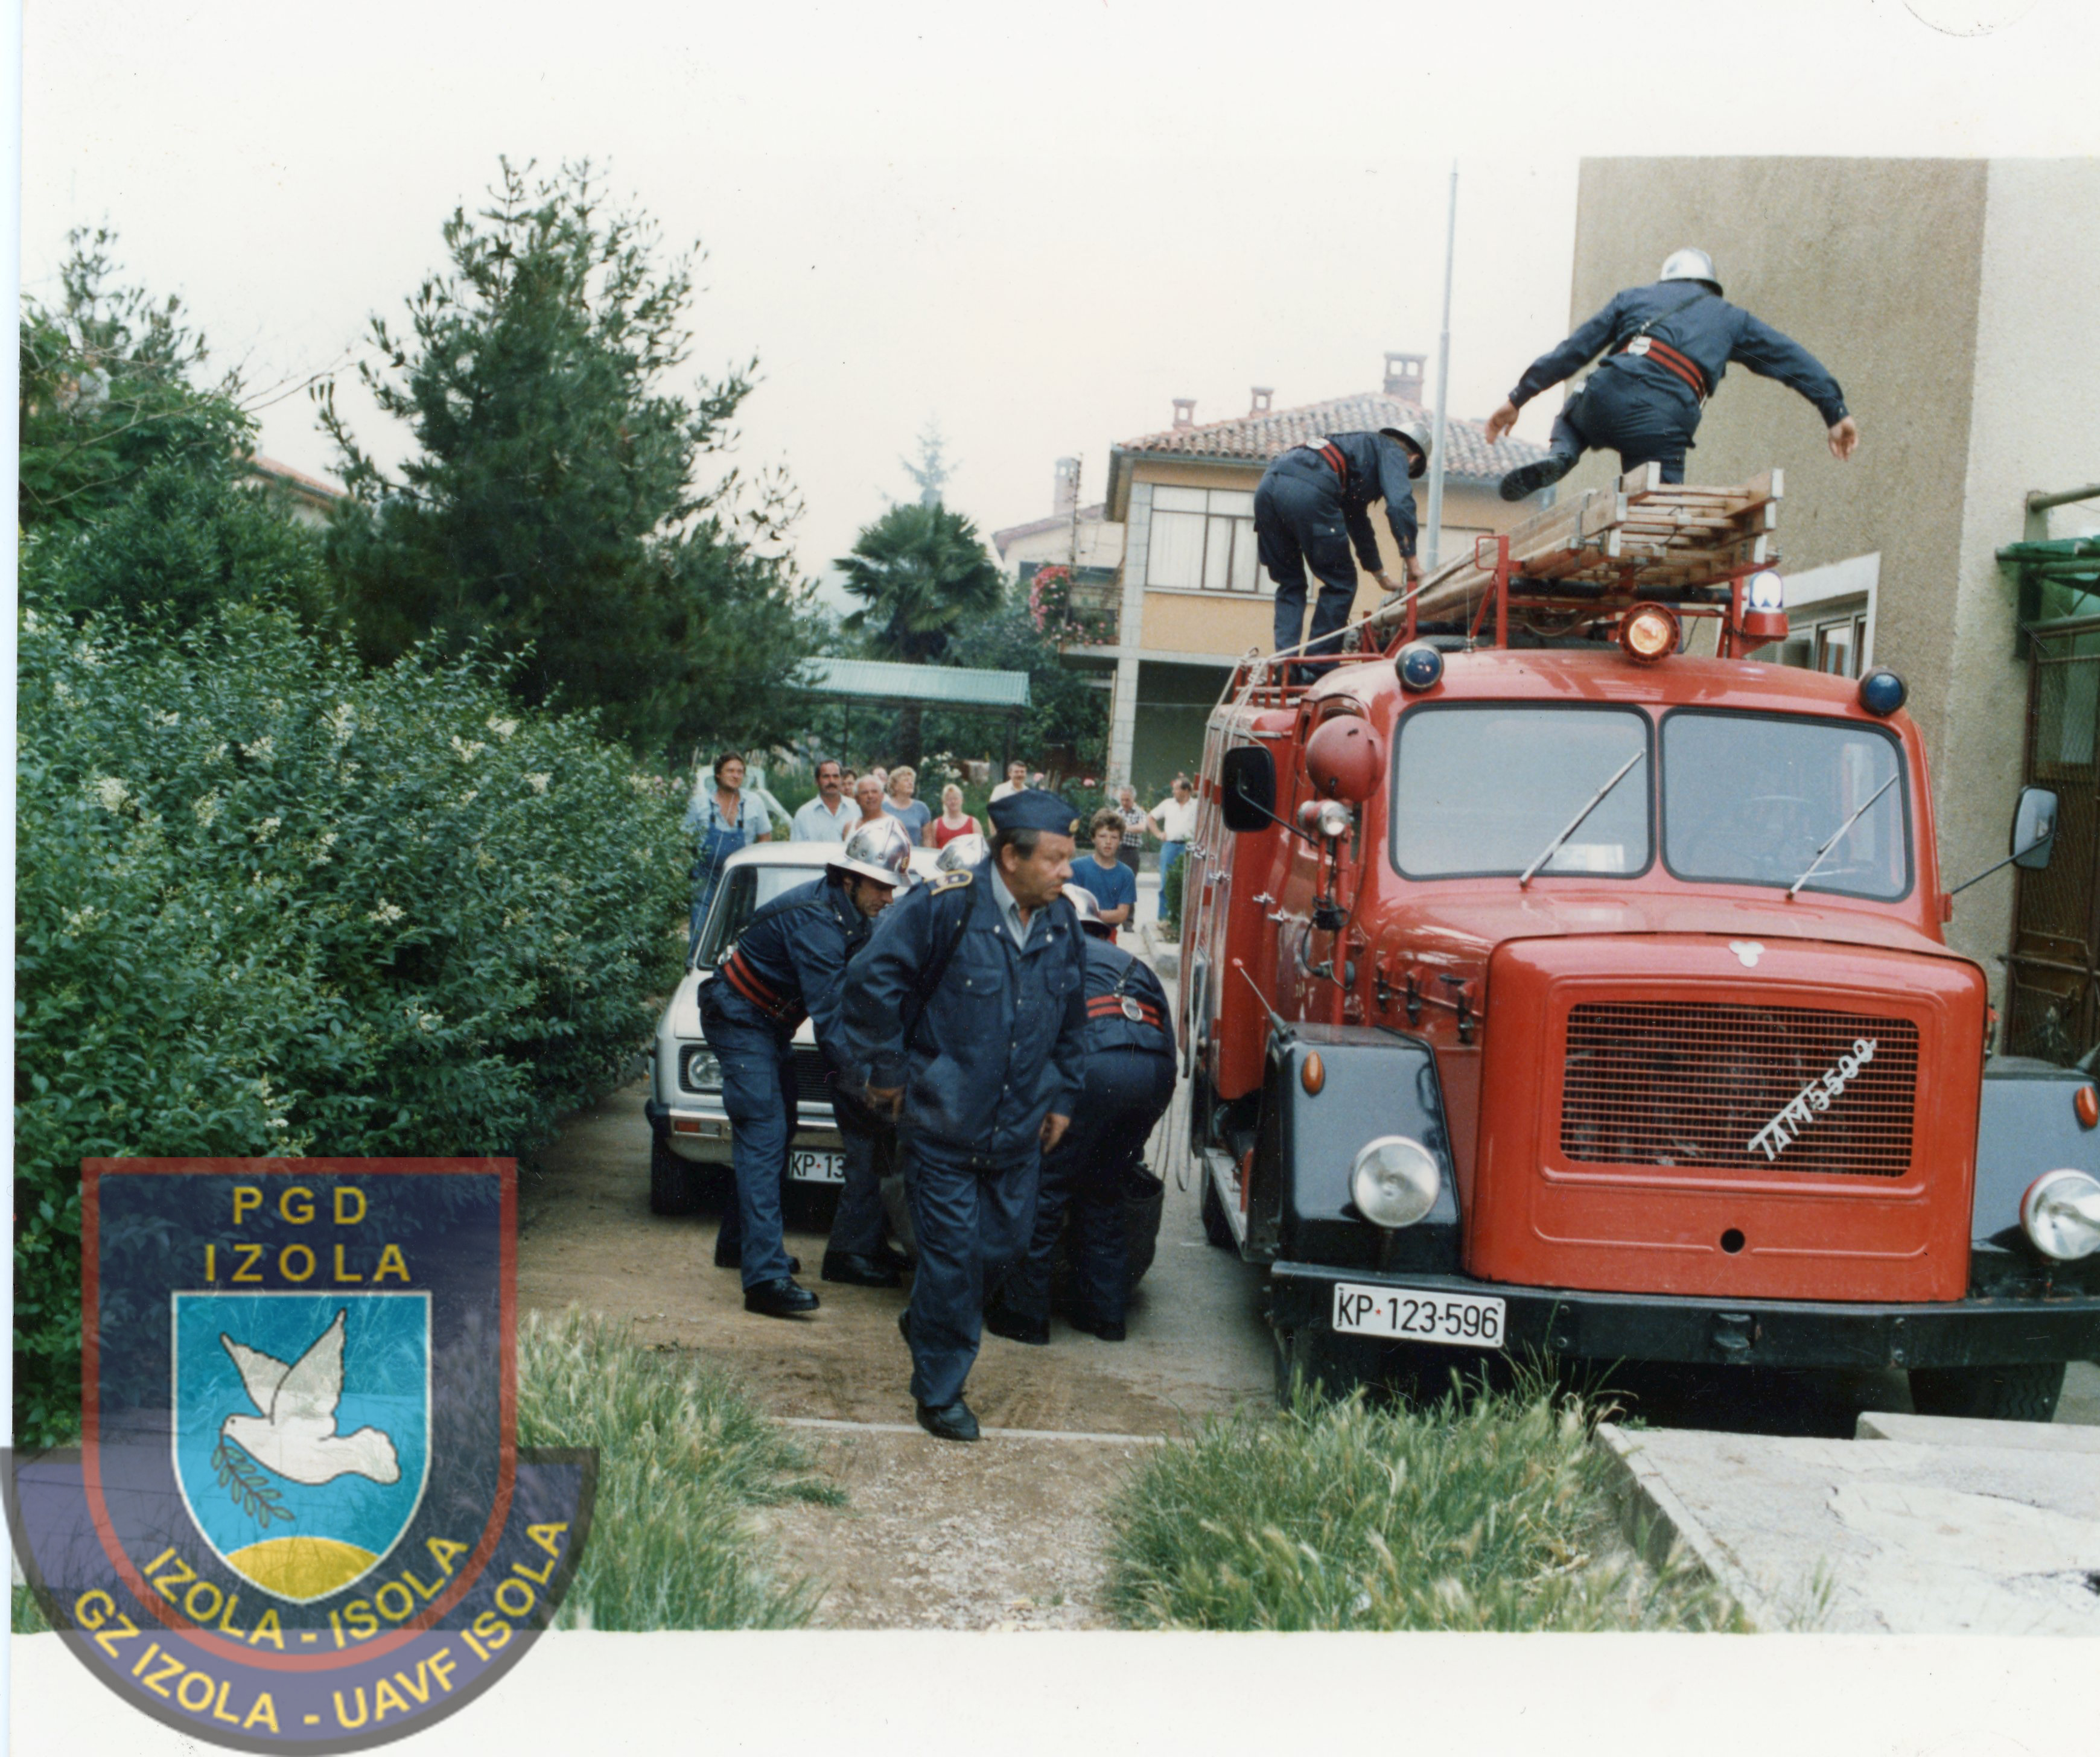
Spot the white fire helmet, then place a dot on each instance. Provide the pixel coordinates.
(1086, 907)
(1689, 264)
(879, 850)
(963, 852)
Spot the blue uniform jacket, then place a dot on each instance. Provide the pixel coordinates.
(794, 951)
(1113, 977)
(1708, 331)
(1002, 1043)
(1378, 471)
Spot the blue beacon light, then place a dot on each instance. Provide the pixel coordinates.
(1882, 692)
(1419, 665)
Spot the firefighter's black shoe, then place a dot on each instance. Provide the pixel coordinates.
(893, 1258)
(1108, 1329)
(1017, 1327)
(1528, 479)
(856, 1271)
(951, 1421)
(779, 1299)
(730, 1256)
(904, 1325)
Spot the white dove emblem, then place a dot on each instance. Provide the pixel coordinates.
(295, 1435)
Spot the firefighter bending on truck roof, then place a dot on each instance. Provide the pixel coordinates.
(967, 1010)
(1314, 501)
(1666, 347)
(1130, 1082)
(788, 965)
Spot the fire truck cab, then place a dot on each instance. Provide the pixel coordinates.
(1581, 997)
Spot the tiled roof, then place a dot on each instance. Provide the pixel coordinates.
(1088, 515)
(313, 487)
(1255, 439)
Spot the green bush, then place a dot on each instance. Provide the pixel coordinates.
(1170, 892)
(268, 903)
(683, 1457)
(1484, 1513)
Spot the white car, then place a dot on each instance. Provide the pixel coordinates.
(690, 1129)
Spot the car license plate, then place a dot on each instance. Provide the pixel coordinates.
(1415, 1315)
(811, 1165)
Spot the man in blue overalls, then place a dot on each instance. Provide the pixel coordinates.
(966, 1012)
(787, 965)
(1668, 344)
(1314, 501)
(1130, 1082)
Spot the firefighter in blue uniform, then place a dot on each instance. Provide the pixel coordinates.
(966, 1012)
(789, 965)
(1314, 501)
(1130, 1082)
(1666, 347)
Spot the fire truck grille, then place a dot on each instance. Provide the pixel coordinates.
(1736, 1088)
(810, 1085)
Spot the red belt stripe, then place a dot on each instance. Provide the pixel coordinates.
(748, 982)
(1336, 461)
(1685, 367)
(1108, 1006)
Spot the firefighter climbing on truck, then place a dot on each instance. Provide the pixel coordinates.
(1589, 997)
(1665, 348)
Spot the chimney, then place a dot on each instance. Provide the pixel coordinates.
(1064, 496)
(1262, 395)
(1184, 412)
(1403, 376)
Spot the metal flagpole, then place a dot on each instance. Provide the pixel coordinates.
(1443, 381)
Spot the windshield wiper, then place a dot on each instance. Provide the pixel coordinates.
(1575, 823)
(1793, 889)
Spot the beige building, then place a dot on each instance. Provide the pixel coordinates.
(1191, 601)
(1957, 302)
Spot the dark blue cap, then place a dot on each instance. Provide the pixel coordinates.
(1034, 809)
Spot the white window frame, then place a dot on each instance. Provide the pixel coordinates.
(1224, 547)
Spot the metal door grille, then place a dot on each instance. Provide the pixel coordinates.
(1691, 1084)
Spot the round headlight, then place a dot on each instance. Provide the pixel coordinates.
(1764, 590)
(2060, 1214)
(1333, 820)
(1882, 692)
(1648, 632)
(1420, 665)
(1394, 1181)
(703, 1071)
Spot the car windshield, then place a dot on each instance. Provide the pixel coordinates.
(1484, 791)
(743, 891)
(1751, 798)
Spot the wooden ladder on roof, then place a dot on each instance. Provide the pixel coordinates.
(1609, 548)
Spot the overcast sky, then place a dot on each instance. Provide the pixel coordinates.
(1035, 224)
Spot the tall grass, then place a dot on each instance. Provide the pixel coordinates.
(683, 1458)
(1485, 1513)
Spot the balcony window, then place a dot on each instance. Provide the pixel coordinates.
(1202, 540)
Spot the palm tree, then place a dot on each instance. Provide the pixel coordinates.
(922, 574)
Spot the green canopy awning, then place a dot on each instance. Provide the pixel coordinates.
(888, 684)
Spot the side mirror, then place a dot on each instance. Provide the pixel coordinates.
(2034, 828)
(1246, 789)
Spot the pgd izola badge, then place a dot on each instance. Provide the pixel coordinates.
(299, 1519)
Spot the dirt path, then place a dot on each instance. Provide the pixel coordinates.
(934, 1535)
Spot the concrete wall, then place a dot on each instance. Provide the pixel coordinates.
(2035, 424)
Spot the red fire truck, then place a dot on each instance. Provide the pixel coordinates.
(1548, 988)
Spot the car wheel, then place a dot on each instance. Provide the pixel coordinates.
(674, 1183)
(2023, 1392)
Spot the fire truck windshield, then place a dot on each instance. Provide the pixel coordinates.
(1751, 798)
(1479, 790)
